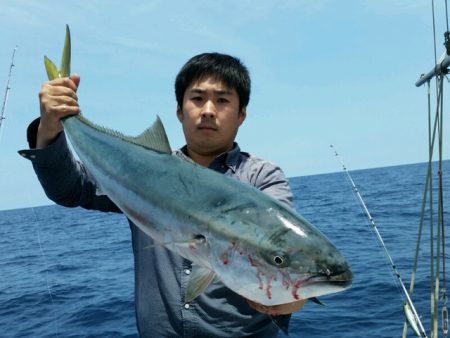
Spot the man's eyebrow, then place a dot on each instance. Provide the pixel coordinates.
(202, 91)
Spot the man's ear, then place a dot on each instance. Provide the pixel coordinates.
(242, 115)
(179, 113)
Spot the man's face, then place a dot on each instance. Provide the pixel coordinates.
(210, 117)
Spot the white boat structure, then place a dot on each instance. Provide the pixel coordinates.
(432, 210)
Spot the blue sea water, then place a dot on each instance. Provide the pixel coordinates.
(69, 272)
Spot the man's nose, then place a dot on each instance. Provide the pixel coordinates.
(209, 110)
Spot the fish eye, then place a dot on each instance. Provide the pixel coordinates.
(280, 259)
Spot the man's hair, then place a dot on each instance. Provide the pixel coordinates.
(228, 69)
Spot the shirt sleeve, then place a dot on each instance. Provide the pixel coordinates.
(64, 179)
(270, 179)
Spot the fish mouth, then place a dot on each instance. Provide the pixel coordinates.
(342, 278)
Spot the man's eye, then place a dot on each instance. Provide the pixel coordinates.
(196, 98)
(223, 100)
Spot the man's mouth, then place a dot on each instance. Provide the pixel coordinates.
(207, 127)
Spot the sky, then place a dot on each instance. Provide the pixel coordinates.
(323, 72)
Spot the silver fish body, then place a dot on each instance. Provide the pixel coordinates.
(231, 231)
(256, 246)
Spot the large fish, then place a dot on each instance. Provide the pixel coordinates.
(231, 231)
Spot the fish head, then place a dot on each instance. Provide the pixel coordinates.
(278, 257)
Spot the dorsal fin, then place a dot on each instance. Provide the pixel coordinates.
(154, 137)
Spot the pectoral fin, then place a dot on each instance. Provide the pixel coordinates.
(198, 282)
(193, 243)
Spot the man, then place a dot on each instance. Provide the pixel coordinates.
(212, 92)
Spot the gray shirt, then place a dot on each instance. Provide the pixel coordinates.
(161, 277)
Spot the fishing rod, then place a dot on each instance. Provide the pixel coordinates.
(8, 88)
(409, 309)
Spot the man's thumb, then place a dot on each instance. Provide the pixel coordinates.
(76, 79)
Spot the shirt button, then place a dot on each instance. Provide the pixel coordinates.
(187, 272)
(186, 306)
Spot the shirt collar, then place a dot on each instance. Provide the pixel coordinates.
(227, 160)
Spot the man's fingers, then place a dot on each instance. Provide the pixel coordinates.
(276, 310)
(68, 109)
(76, 79)
(59, 104)
(62, 109)
(58, 98)
(60, 87)
(48, 91)
(69, 82)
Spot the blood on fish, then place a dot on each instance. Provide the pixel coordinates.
(224, 257)
(295, 288)
(260, 283)
(286, 281)
(250, 259)
(268, 293)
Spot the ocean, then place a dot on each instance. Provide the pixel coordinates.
(69, 272)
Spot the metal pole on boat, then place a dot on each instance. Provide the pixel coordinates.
(436, 249)
(5, 98)
(440, 69)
